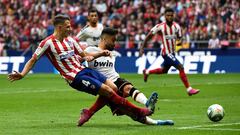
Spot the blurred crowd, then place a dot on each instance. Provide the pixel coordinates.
(205, 23)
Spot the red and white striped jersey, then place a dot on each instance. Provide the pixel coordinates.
(63, 55)
(168, 34)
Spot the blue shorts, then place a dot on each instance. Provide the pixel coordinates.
(170, 60)
(89, 81)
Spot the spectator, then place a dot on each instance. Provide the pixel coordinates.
(18, 18)
(214, 42)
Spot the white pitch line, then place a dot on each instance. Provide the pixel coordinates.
(218, 129)
(34, 91)
(214, 125)
(204, 83)
(47, 90)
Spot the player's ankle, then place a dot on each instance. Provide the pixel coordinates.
(189, 88)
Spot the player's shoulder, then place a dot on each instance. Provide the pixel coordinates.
(71, 39)
(92, 49)
(47, 40)
(176, 24)
(159, 25)
(85, 28)
(100, 25)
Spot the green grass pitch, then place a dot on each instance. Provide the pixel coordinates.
(44, 104)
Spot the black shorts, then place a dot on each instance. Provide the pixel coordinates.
(120, 83)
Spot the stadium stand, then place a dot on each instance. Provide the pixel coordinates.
(23, 23)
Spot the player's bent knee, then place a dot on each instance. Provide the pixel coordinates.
(126, 90)
(105, 90)
(111, 85)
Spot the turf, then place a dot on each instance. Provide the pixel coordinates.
(44, 104)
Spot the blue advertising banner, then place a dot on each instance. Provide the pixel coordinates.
(202, 63)
(16, 63)
(192, 64)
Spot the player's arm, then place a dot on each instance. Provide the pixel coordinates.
(143, 45)
(17, 75)
(91, 56)
(179, 36)
(87, 55)
(153, 31)
(29, 65)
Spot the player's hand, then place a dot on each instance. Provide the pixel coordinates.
(88, 58)
(106, 53)
(15, 76)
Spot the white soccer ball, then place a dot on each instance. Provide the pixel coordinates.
(215, 112)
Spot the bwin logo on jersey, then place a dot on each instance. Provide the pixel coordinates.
(103, 63)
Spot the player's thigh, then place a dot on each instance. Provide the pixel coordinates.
(111, 85)
(87, 84)
(171, 60)
(95, 74)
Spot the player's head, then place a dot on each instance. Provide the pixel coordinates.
(108, 38)
(169, 15)
(93, 16)
(62, 24)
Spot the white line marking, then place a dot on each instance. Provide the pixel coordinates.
(214, 125)
(203, 83)
(218, 129)
(34, 91)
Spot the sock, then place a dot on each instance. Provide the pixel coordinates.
(100, 103)
(150, 121)
(183, 78)
(123, 103)
(188, 89)
(138, 96)
(155, 71)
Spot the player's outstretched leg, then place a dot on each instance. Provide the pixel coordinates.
(150, 104)
(165, 122)
(84, 117)
(150, 121)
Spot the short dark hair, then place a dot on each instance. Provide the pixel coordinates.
(169, 10)
(92, 10)
(60, 19)
(109, 31)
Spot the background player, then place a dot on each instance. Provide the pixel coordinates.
(106, 66)
(169, 31)
(63, 52)
(92, 31)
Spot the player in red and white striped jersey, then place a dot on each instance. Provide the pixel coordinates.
(170, 32)
(64, 53)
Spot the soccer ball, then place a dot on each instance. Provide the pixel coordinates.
(215, 112)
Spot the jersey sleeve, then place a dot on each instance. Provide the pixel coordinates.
(155, 29)
(91, 49)
(43, 46)
(178, 31)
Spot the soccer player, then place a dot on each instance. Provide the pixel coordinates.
(170, 32)
(105, 65)
(92, 31)
(64, 53)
